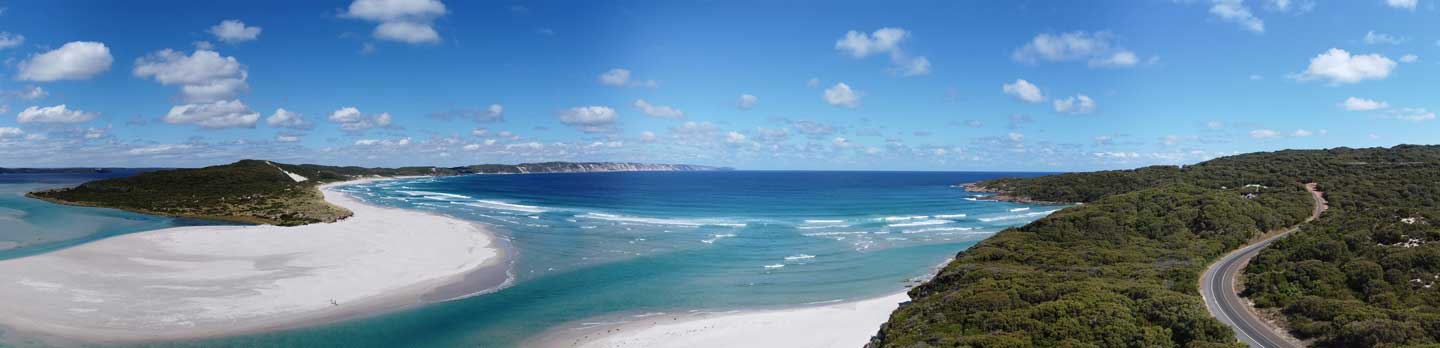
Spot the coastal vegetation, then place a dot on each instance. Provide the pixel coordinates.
(263, 192)
(1122, 269)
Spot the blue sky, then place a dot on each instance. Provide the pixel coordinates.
(911, 85)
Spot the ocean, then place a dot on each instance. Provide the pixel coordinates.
(608, 247)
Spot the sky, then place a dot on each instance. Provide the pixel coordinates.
(832, 85)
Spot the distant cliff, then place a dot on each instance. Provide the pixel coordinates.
(579, 167)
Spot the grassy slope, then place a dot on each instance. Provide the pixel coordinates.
(247, 191)
(1121, 271)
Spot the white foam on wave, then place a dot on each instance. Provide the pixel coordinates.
(774, 266)
(799, 257)
(1020, 216)
(904, 218)
(504, 206)
(1019, 209)
(657, 221)
(824, 221)
(950, 216)
(972, 199)
(936, 229)
(821, 227)
(434, 195)
(826, 234)
(921, 223)
(718, 237)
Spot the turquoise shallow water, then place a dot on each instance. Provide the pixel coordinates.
(612, 246)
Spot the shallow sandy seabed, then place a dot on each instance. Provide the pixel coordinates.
(209, 281)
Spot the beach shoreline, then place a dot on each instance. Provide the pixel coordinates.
(846, 324)
(200, 282)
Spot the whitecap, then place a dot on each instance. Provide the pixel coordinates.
(657, 221)
(1019, 209)
(505, 206)
(904, 218)
(824, 221)
(799, 257)
(774, 266)
(950, 216)
(921, 223)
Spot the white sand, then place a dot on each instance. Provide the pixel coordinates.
(206, 281)
(847, 325)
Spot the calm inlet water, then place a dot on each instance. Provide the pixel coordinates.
(617, 246)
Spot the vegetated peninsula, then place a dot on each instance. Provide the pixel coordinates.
(1122, 270)
(263, 192)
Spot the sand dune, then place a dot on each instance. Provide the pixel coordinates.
(205, 281)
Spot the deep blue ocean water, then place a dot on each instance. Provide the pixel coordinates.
(613, 246)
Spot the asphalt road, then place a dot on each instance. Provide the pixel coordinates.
(1217, 286)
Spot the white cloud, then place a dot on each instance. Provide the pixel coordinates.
(1078, 104)
(647, 136)
(407, 32)
(747, 101)
(288, 119)
(1339, 67)
(1263, 134)
(1409, 58)
(1374, 38)
(204, 76)
(1403, 4)
(1097, 48)
(77, 60)
(884, 41)
(735, 138)
(54, 114)
(352, 120)
(590, 119)
(8, 132)
(860, 45)
(660, 111)
(841, 95)
(157, 149)
(815, 81)
(1302, 133)
(1236, 12)
(495, 111)
(621, 78)
(383, 142)
(8, 40)
(284, 138)
(216, 115)
(1024, 90)
(234, 31)
(1360, 104)
(1013, 136)
(27, 93)
(408, 21)
(1413, 114)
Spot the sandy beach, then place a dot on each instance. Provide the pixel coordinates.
(838, 325)
(208, 281)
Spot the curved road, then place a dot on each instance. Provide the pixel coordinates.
(1217, 286)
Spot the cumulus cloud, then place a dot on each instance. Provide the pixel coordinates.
(352, 120)
(1409, 58)
(1095, 48)
(660, 111)
(747, 101)
(1374, 38)
(735, 138)
(234, 31)
(1340, 67)
(1235, 11)
(10, 132)
(286, 138)
(1403, 4)
(1263, 134)
(27, 93)
(884, 41)
(1412, 114)
(1360, 104)
(1078, 104)
(288, 119)
(216, 115)
(1302, 133)
(841, 95)
(408, 21)
(77, 60)
(1024, 90)
(8, 40)
(621, 78)
(54, 114)
(203, 76)
(590, 119)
